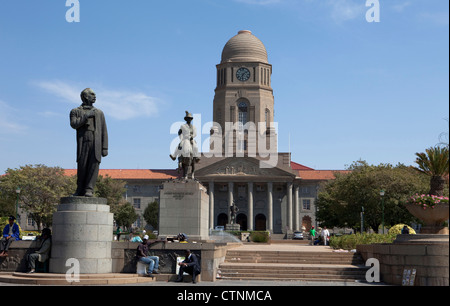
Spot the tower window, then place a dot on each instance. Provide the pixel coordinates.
(243, 113)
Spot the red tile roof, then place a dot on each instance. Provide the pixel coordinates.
(133, 174)
(320, 175)
(296, 166)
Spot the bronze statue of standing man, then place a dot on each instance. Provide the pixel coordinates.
(92, 142)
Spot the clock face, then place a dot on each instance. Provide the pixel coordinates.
(243, 74)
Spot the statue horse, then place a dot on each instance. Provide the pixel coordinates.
(187, 160)
(187, 150)
(185, 163)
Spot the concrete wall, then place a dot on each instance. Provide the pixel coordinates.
(211, 255)
(430, 261)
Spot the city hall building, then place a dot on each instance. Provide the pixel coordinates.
(271, 191)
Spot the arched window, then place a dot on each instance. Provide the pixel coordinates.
(267, 118)
(242, 113)
(260, 222)
(222, 219)
(241, 219)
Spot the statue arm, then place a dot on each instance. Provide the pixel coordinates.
(77, 120)
(104, 137)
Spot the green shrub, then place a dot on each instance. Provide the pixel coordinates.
(262, 237)
(397, 229)
(349, 242)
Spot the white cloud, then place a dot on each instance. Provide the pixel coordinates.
(400, 7)
(437, 18)
(9, 121)
(345, 10)
(121, 105)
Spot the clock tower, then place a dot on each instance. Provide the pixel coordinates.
(244, 98)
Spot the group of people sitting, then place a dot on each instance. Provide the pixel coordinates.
(11, 233)
(189, 265)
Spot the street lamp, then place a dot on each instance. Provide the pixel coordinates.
(382, 209)
(17, 203)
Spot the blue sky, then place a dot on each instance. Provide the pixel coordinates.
(344, 89)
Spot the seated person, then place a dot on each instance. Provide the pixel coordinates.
(136, 238)
(42, 255)
(190, 265)
(11, 233)
(142, 256)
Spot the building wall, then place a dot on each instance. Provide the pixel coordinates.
(141, 193)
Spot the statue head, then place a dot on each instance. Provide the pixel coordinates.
(188, 117)
(88, 96)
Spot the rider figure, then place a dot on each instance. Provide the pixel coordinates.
(188, 146)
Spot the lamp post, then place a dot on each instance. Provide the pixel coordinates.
(382, 210)
(362, 220)
(17, 203)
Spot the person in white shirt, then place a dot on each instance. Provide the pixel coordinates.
(325, 235)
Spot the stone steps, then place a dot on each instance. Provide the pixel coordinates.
(292, 257)
(86, 279)
(292, 266)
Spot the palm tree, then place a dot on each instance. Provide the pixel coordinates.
(435, 163)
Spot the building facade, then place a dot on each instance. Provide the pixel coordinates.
(243, 166)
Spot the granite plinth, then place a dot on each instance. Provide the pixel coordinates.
(184, 208)
(82, 230)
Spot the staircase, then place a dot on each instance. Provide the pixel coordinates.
(304, 264)
(85, 279)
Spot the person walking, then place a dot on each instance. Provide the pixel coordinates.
(325, 235)
(312, 234)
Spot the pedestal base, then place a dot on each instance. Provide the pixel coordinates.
(425, 239)
(184, 208)
(232, 227)
(82, 233)
(437, 230)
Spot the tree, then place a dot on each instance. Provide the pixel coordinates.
(341, 200)
(125, 215)
(434, 163)
(151, 214)
(112, 190)
(41, 189)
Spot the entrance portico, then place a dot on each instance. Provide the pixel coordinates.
(259, 194)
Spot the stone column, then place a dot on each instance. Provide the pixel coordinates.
(296, 209)
(270, 207)
(230, 199)
(211, 205)
(250, 206)
(289, 206)
(82, 230)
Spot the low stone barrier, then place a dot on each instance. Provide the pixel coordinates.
(430, 259)
(210, 255)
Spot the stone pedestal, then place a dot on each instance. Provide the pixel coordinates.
(184, 208)
(83, 230)
(232, 227)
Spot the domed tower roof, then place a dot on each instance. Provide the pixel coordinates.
(244, 47)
